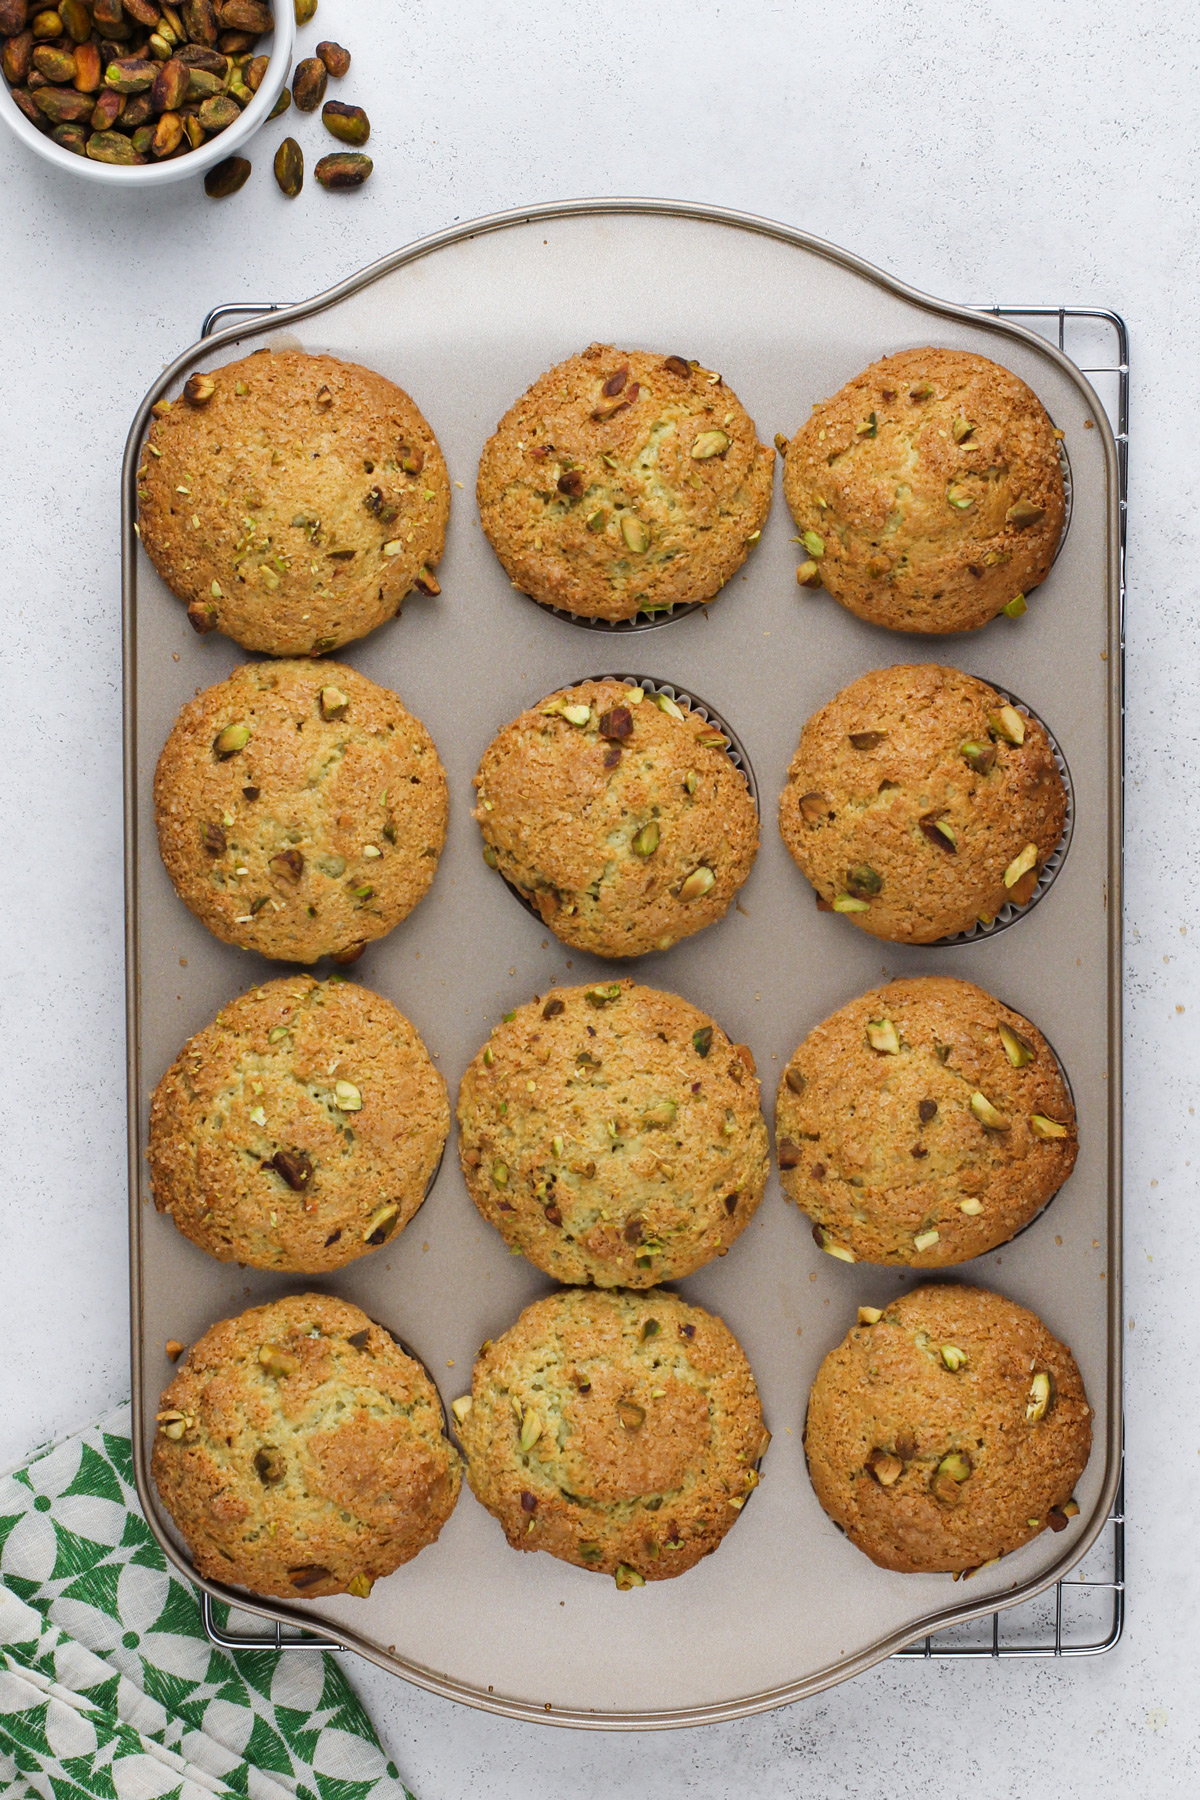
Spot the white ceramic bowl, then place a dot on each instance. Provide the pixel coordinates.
(278, 45)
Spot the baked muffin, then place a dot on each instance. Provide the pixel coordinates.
(301, 1453)
(613, 1135)
(300, 810)
(919, 801)
(624, 482)
(618, 1431)
(928, 492)
(300, 1130)
(292, 501)
(948, 1431)
(924, 1123)
(619, 815)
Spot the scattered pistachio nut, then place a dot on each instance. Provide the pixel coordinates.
(883, 1036)
(885, 1467)
(1043, 1127)
(289, 167)
(870, 1315)
(646, 841)
(348, 169)
(814, 543)
(863, 882)
(461, 1407)
(577, 715)
(346, 1097)
(1016, 607)
(626, 1577)
(954, 1358)
(666, 705)
(849, 903)
(709, 444)
(309, 81)
(349, 124)
(1023, 514)
(634, 532)
(831, 1248)
(381, 1225)
(360, 1586)
(961, 429)
(335, 58)
(305, 10)
(227, 177)
(977, 756)
(925, 1240)
(531, 1428)
(334, 703)
(229, 741)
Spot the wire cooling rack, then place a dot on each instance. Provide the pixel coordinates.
(1084, 1613)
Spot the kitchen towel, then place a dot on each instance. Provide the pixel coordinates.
(109, 1689)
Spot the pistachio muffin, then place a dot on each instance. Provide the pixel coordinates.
(619, 1431)
(300, 810)
(624, 482)
(948, 1429)
(924, 1123)
(928, 492)
(619, 815)
(301, 1453)
(613, 1135)
(920, 802)
(300, 1130)
(292, 501)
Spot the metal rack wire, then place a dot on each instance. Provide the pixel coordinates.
(1060, 1622)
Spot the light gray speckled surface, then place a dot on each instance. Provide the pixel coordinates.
(1028, 151)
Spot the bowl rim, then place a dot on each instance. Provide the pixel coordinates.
(282, 42)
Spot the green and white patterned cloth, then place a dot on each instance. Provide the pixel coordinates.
(109, 1689)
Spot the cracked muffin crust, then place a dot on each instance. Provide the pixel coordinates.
(928, 492)
(300, 810)
(292, 501)
(948, 1429)
(924, 1123)
(919, 802)
(613, 1134)
(619, 1431)
(624, 482)
(619, 814)
(300, 1130)
(301, 1452)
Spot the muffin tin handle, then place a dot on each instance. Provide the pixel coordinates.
(221, 316)
(224, 1639)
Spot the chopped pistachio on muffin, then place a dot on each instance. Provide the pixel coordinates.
(619, 814)
(948, 1429)
(300, 1130)
(613, 1134)
(624, 481)
(928, 492)
(301, 810)
(618, 1431)
(300, 1452)
(292, 501)
(923, 1123)
(920, 802)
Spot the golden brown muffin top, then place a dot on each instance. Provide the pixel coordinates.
(619, 1431)
(292, 501)
(301, 810)
(928, 491)
(619, 814)
(613, 1134)
(301, 1453)
(920, 801)
(923, 1123)
(624, 481)
(950, 1431)
(300, 1130)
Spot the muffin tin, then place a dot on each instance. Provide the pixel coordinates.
(464, 321)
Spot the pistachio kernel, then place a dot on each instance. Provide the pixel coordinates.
(500, 1175)
(710, 444)
(939, 831)
(702, 1040)
(1039, 1397)
(958, 497)
(1021, 865)
(954, 1358)
(849, 903)
(577, 715)
(334, 703)
(1043, 1127)
(697, 884)
(883, 1036)
(863, 882)
(199, 389)
(925, 1240)
(886, 1468)
(461, 1407)
(646, 841)
(977, 756)
(346, 1097)
(1016, 607)
(808, 575)
(1023, 514)
(870, 1315)
(665, 704)
(972, 1208)
(637, 537)
(360, 1586)
(627, 1577)
(381, 1225)
(531, 1428)
(814, 543)
(824, 1242)
(961, 429)
(228, 742)
(1018, 1049)
(867, 428)
(989, 1116)
(1008, 724)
